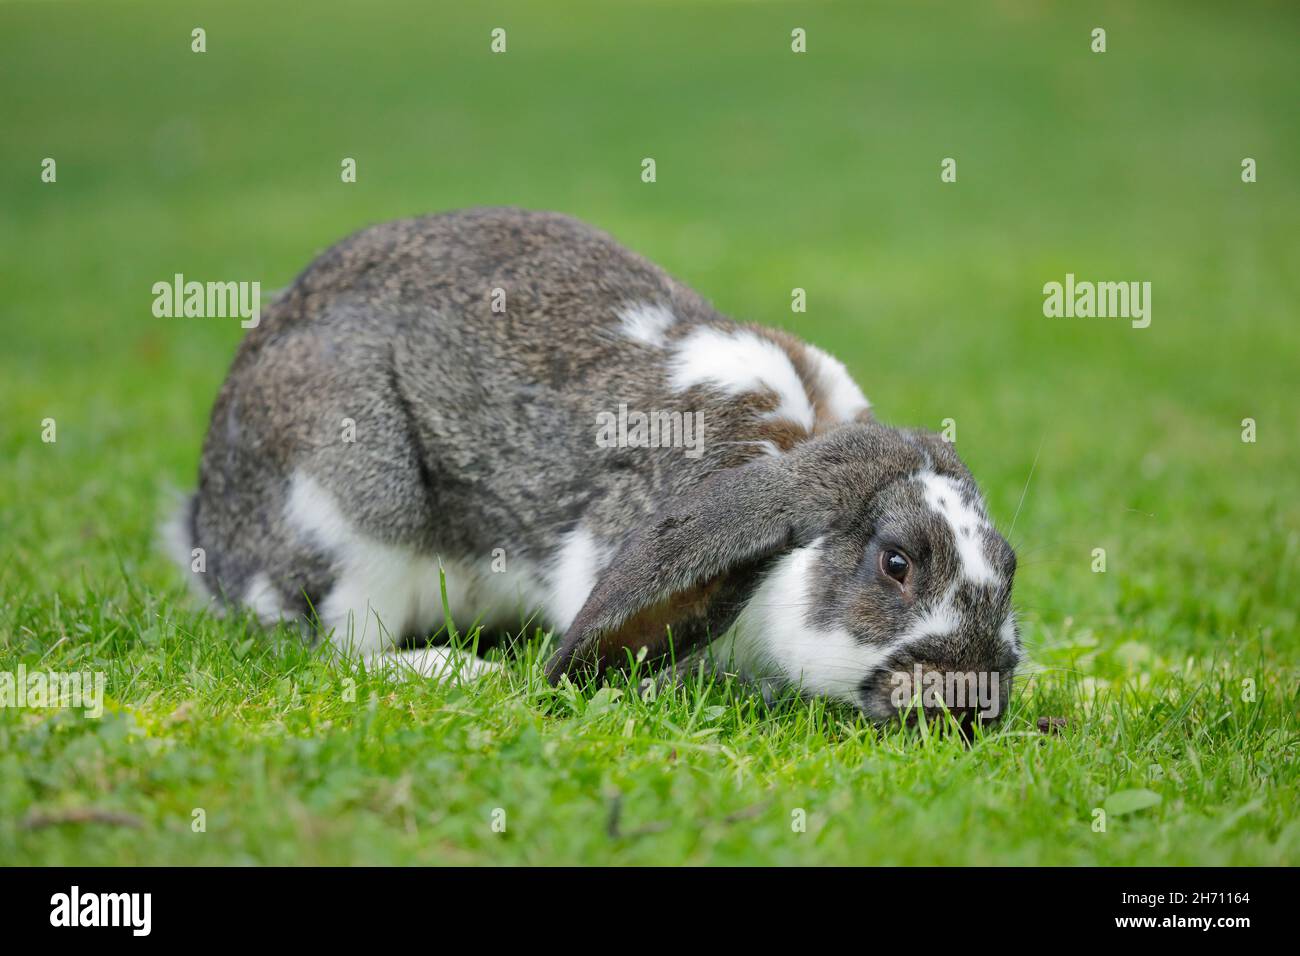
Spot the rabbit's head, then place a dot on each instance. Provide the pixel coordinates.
(860, 565)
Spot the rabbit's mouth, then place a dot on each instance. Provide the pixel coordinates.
(916, 690)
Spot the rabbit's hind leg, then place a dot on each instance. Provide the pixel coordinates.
(384, 593)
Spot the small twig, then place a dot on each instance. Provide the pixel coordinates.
(1051, 725)
(615, 830)
(613, 823)
(747, 813)
(115, 818)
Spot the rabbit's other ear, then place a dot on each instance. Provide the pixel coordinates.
(690, 571)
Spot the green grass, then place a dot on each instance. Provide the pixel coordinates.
(774, 171)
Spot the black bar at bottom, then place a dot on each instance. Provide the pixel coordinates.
(972, 908)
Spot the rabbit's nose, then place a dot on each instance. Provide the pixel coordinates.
(922, 687)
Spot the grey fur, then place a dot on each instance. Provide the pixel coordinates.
(475, 429)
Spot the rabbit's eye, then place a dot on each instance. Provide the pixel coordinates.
(894, 564)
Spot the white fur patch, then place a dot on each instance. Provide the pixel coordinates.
(844, 400)
(174, 533)
(944, 496)
(577, 565)
(936, 621)
(174, 536)
(646, 323)
(772, 639)
(383, 592)
(442, 663)
(1008, 631)
(740, 362)
(263, 599)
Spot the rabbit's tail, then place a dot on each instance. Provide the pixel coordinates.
(176, 537)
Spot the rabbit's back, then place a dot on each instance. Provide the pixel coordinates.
(435, 384)
(473, 387)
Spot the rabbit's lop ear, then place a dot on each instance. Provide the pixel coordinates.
(690, 571)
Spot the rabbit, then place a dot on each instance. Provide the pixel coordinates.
(497, 368)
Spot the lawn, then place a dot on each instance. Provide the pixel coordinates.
(1175, 668)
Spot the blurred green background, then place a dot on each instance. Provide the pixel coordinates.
(775, 171)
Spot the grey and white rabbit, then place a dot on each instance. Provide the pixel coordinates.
(433, 391)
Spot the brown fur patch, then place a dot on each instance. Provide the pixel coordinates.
(808, 371)
(649, 627)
